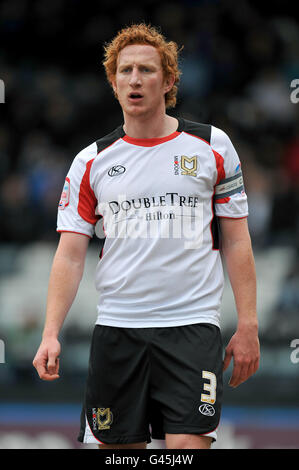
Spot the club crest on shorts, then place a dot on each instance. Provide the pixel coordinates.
(102, 418)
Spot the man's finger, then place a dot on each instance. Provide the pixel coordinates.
(52, 365)
(44, 374)
(256, 365)
(49, 377)
(235, 377)
(253, 368)
(240, 374)
(40, 364)
(227, 359)
(40, 368)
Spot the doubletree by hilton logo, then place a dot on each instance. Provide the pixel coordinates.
(2, 91)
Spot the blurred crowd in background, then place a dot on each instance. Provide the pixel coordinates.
(238, 62)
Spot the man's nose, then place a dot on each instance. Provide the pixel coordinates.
(135, 78)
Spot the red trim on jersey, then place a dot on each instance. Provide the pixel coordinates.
(150, 142)
(87, 200)
(73, 231)
(221, 175)
(220, 166)
(224, 200)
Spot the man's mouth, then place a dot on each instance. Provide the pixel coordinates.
(135, 97)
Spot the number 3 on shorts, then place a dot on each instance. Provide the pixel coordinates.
(209, 387)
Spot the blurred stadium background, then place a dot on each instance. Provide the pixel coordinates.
(238, 62)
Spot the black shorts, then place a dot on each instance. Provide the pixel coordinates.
(145, 382)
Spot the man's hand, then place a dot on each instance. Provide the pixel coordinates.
(245, 348)
(46, 360)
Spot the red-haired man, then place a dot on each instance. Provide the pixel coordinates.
(160, 186)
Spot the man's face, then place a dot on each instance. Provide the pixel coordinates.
(139, 82)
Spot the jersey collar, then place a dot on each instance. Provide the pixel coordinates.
(154, 141)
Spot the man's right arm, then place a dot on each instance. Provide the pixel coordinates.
(66, 274)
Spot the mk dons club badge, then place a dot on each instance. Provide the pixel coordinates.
(102, 418)
(185, 165)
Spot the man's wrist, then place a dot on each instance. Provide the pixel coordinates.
(248, 324)
(50, 334)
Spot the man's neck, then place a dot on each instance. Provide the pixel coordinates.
(142, 128)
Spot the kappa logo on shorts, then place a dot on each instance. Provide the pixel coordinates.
(207, 410)
(102, 418)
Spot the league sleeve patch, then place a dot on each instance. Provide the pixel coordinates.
(229, 186)
(238, 169)
(65, 195)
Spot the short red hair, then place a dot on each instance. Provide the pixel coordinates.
(145, 34)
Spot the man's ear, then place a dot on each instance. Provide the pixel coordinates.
(113, 84)
(169, 82)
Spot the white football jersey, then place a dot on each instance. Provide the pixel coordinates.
(156, 203)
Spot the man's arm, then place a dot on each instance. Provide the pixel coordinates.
(239, 260)
(65, 277)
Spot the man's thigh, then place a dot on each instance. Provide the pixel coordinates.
(187, 441)
(116, 396)
(187, 369)
(138, 445)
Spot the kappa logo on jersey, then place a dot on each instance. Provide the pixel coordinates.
(116, 170)
(185, 165)
(207, 410)
(65, 195)
(102, 418)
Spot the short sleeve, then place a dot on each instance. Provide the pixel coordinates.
(230, 197)
(77, 205)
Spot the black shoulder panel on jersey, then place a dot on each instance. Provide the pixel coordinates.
(109, 139)
(198, 129)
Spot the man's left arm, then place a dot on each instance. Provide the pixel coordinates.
(238, 256)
